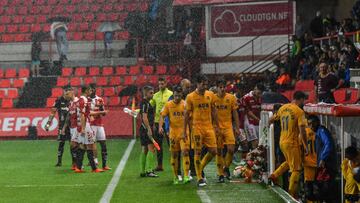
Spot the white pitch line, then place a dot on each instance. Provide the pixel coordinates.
(116, 177)
(64, 185)
(204, 197)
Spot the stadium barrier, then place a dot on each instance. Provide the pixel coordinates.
(14, 123)
(341, 120)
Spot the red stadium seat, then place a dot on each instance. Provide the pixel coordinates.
(80, 71)
(5, 83)
(2, 94)
(99, 36)
(288, 94)
(23, 10)
(107, 8)
(78, 36)
(2, 28)
(119, 7)
(1, 73)
(41, 19)
(95, 8)
(101, 17)
(175, 79)
(172, 70)
(12, 93)
(64, 2)
(72, 27)
(61, 82)
(18, 83)
(85, 8)
(131, 7)
(124, 101)
(109, 91)
(70, 8)
(161, 70)
(35, 28)
(94, 71)
(58, 10)
(107, 70)
(29, 19)
(10, 11)
(153, 79)
(128, 80)
(50, 102)
(12, 28)
(106, 100)
(94, 26)
(148, 70)
(89, 36)
(7, 104)
(8, 38)
(141, 79)
(78, 17)
(124, 35)
(354, 95)
(66, 71)
(311, 97)
(112, 17)
(83, 26)
(88, 80)
(52, 2)
(75, 82)
(89, 17)
(114, 101)
(119, 89)
(24, 73)
(46, 10)
(120, 70)
(340, 96)
(5, 19)
(24, 28)
(304, 85)
(56, 92)
(35, 10)
(101, 81)
(46, 28)
(10, 73)
(20, 38)
(143, 7)
(134, 70)
(115, 81)
(99, 92)
(17, 19)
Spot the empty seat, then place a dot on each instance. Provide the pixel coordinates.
(5, 19)
(160, 70)
(7, 103)
(77, 36)
(120, 70)
(109, 91)
(304, 85)
(88, 80)
(89, 36)
(61, 82)
(66, 71)
(134, 70)
(7, 38)
(23, 10)
(58, 9)
(172, 70)
(83, 26)
(10, 73)
(19, 38)
(56, 92)
(153, 79)
(141, 80)
(41, 19)
(5, 83)
(175, 79)
(70, 8)
(50, 102)
(100, 17)
(24, 73)
(94, 71)
(35, 28)
(101, 81)
(107, 70)
(99, 92)
(89, 17)
(112, 17)
(124, 101)
(311, 97)
(115, 81)
(354, 95)
(119, 7)
(12, 28)
(10, 11)
(29, 19)
(107, 8)
(114, 101)
(340, 96)
(12, 93)
(18, 83)
(75, 81)
(2, 94)
(80, 71)
(148, 70)
(24, 28)
(1, 72)
(128, 80)
(46, 10)
(17, 19)
(2, 28)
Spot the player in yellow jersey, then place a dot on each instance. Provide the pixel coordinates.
(200, 105)
(175, 110)
(349, 168)
(292, 121)
(310, 164)
(226, 106)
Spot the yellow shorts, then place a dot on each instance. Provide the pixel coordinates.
(292, 156)
(203, 136)
(351, 186)
(177, 143)
(225, 137)
(309, 173)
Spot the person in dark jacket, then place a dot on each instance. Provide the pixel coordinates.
(316, 25)
(35, 58)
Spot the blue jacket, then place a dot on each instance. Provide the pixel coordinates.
(166, 119)
(325, 147)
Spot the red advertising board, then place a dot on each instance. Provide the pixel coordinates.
(242, 20)
(15, 123)
(202, 2)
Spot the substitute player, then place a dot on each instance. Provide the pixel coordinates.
(61, 106)
(242, 139)
(226, 107)
(293, 123)
(200, 105)
(310, 164)
(175, 110)
(349, 167)
(97, 111)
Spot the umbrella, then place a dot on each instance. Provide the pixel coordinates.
(59, 19)
(109, 27)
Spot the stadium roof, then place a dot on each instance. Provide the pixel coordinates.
(204, 2)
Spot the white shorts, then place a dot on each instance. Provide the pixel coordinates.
(89, 135)
(75, 136)
(99, 132)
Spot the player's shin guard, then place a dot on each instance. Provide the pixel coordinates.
(197, 163)
(228, 159)
(294, 181)
(220, 165)
(186, 164)
(103, 153)
(150, 161)
(207, 158)
(174, 164)
(80, 157)
(142, 162)
(73, 151)
(60, 151)
(90, 155)
(281, 169)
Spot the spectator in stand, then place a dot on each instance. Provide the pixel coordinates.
(284, 79)
(295, 56)
(35, 58)
(325, 84)
(316, 25)
(108, 40)
(350, 170)
(343, 74)
(329, 25)
(299, 27)
(58, 32)
(307, 69)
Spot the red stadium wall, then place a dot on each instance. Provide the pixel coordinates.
(15, 123)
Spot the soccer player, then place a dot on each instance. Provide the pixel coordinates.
(61, 106)
(241, 113)
(252, 102)
(158, 101)
(97, 111)
(175, 110)
(349, 167)
(310, 165)
(147, 114)
(200, 105)
(293, 123)
(226, 107)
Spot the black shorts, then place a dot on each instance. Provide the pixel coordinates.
(144, 138)
(65, 137)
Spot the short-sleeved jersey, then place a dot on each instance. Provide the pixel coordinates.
(175, 112)
(254, 105)
(73, 113)
(200, 107)
(96, 104)
(62, 108)
(224, 106)
(84, 107)
(291, 117)
(241, 111)
(310, 158)
(145, 107)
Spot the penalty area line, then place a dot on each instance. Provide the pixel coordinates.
(116, 177)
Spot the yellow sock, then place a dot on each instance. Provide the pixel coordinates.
(228, 159)
(186, 165)
(197, 166)
(174, 165)
(207, 158)
(293, 183)
(281, 169)
(220, 165)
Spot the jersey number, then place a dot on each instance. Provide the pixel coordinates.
(285, 123)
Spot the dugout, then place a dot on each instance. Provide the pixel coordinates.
(341, 120)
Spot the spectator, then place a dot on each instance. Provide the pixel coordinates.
(299, 27)
(307, 69)
(325, 84)
(325, 153)
(108, 40)
(350, 171)
(316, 25)
(295, 56)
(343, 74)
(58, 32)
(284, 79)
(35, 58)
